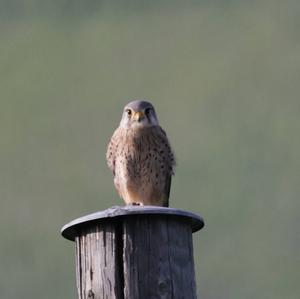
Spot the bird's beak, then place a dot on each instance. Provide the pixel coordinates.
(138, 115)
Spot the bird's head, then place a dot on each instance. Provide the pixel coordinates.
(138, 114)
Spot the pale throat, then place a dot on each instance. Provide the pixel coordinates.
(139, 125)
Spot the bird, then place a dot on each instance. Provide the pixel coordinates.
(140, 157)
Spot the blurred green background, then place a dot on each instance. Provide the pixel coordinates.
(224, 77)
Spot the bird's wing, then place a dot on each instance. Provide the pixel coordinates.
(167, 190)
(170, 167)
(112, 153)
(112, 149)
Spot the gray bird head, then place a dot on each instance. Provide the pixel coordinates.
(138, 114)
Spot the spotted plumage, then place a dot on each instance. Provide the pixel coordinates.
(140, 157)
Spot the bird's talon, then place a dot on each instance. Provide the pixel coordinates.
(134, 204)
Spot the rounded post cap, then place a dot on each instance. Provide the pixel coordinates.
(73, 228)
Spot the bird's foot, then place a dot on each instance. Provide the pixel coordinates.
(135, 204)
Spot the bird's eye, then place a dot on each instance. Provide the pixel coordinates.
(128, 112)
(147, 111)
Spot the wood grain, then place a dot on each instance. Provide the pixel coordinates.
(158, 259)
(97, 268)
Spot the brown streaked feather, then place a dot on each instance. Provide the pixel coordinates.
(112, 149)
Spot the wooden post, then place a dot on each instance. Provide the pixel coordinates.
(135, 252)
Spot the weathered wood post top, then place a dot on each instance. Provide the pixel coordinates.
(135, 252)
(73, 228)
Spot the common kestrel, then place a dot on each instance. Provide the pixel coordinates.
(140, 157)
